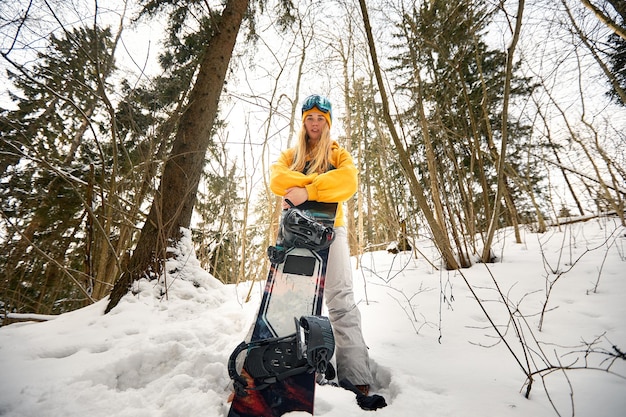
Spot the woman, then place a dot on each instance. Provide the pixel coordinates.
(318, 169)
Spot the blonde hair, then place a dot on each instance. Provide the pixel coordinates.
(316, 160)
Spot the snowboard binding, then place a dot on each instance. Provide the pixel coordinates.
(309, 350)
(300, 230)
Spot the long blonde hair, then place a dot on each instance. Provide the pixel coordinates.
(316, 160)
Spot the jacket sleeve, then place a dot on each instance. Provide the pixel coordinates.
(336, 185)
(282, 177)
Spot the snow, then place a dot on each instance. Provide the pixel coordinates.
(162, 352)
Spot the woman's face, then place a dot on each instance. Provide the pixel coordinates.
(313, 124)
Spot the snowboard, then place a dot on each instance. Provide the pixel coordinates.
(274, 369)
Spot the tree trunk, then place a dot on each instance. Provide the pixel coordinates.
(619, 6)
(173, 204)
(439, 234)
(493, 225)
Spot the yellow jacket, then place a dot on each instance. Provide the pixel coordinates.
(334, 186)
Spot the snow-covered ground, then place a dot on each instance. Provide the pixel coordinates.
(433, 349)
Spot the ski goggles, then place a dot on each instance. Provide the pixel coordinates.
(321, 103)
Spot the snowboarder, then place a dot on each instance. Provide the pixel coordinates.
(319, 169)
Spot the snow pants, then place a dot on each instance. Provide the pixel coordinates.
(350, 349)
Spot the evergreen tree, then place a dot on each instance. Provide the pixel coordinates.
(219, 237)
(173, 203)
(617, 62)
(50, 141)
(383, 187)
(455, 83)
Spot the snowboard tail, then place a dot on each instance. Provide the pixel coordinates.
(289, 342)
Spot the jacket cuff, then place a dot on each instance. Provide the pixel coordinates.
(312, 191)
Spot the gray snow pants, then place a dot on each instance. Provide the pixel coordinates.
(350, 349)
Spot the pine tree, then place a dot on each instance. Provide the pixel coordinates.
(50, 141)
(456, 84)
(617, 61)
(173, 203)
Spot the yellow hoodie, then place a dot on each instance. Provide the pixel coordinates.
(334, 186)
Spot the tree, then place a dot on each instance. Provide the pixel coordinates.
(439, 233)
(173, 203)
(605, 16)
(217, 236)
(48, 144)
(610, 173)
(617, 61)
(454, 87)
(617, 47)
(502, 188)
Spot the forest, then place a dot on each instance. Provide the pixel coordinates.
(124, 122)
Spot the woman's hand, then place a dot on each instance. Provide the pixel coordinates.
(297, 195)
